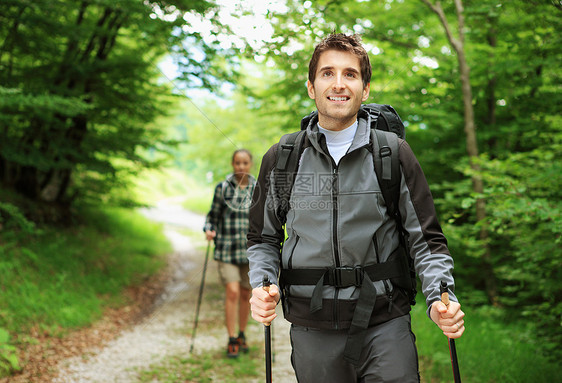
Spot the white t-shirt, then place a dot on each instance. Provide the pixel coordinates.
(338, 142)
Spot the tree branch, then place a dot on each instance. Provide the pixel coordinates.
(404, 44)
(106, 14)
(437, 9)
(460, 18)
(108, 39)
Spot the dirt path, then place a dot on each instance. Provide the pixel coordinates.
(166, 332)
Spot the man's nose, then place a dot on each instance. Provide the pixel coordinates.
(338, 82)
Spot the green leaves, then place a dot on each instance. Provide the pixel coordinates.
(11, 217)
(8, 355)
(80, 90)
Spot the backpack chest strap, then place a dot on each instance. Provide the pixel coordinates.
(340, 277)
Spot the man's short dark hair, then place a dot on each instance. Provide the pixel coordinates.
(345, 43)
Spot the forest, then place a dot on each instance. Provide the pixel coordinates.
(95, 93)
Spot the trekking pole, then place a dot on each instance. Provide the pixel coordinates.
(272, 345)
(452, 349)
(200, 296)
(267, 332)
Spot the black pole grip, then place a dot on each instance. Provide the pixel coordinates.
(266, 282)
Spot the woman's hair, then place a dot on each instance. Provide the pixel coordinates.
(344, 43)
(242, 151)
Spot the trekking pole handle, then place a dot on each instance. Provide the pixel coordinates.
(452, 348)
(265, 284)
(444, 293)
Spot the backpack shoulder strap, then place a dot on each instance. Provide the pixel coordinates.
(289, 149)
(387, 168)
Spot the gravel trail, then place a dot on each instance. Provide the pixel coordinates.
(166, 332)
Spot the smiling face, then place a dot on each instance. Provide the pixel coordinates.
(338, 89)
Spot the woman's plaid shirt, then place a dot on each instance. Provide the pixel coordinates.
(229, 218)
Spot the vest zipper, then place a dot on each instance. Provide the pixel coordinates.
(335, 236)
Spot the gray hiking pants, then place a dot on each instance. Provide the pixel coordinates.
(389, 355)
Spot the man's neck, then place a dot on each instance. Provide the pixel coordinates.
(341, 135)
(336, 125)
(339, 141)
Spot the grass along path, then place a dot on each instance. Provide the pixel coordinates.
(56, 282)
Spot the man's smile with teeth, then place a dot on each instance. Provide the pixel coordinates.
(338, 98)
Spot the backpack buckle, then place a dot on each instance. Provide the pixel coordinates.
(347, 276)
(385, 151)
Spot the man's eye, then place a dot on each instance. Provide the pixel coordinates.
(327, 74)
(351, 75)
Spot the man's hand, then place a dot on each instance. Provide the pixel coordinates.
(449, 319)
(263, 303)
(210, 234)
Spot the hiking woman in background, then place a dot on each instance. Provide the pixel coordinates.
(227, 225)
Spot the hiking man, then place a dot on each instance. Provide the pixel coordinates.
(338, 266)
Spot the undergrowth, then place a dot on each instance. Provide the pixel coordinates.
(489, 351)
(62, 278)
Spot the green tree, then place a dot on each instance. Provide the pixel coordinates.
(79, 90)
(457, 42)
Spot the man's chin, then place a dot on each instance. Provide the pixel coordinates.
(341, 114)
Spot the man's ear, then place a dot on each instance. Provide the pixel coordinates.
(310, 87)
(366, 91)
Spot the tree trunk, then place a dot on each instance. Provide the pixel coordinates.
(470, 133)
(26, 183)
(491, 87)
